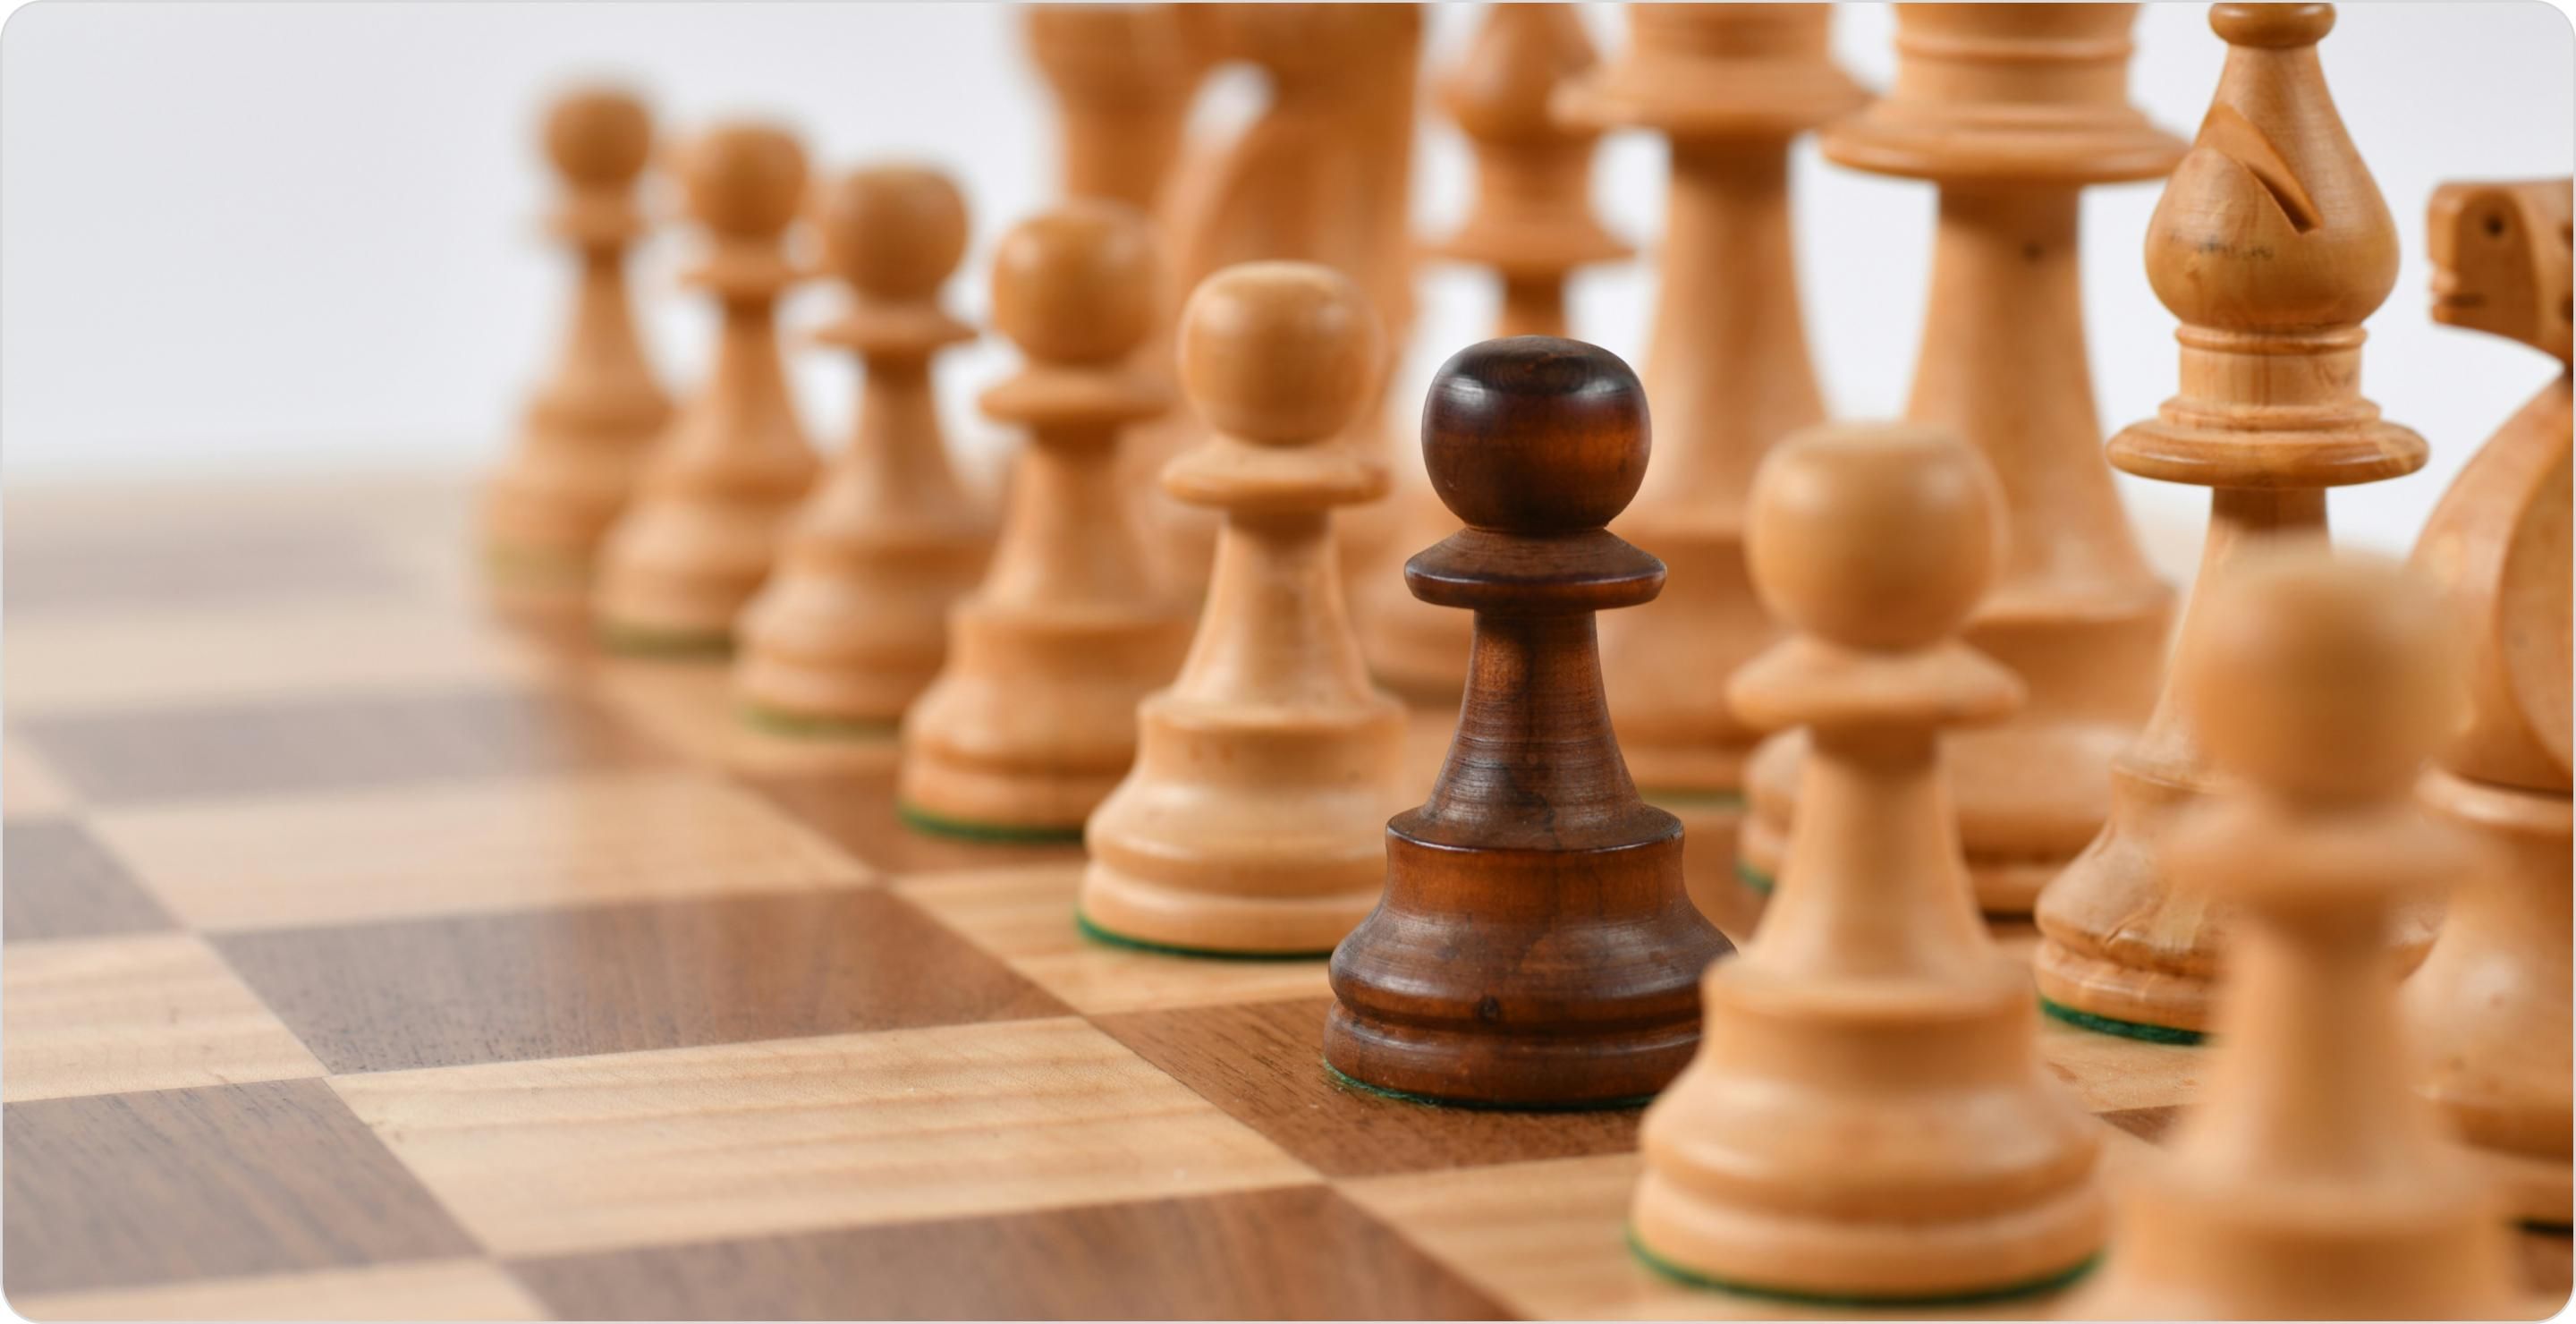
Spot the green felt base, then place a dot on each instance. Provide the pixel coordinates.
(1109, 938)
(645, 641)
(920, 820)
(1478, 1105)
(2154, 1034)
(2007, 1291)
(1754, 878)
(778, 721)
(1663, 797)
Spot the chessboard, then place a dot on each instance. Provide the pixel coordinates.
(368, 955)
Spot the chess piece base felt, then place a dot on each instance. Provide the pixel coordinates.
(1239, 834)
(1033, 722)
(1869, 1141)
(2488, 1011)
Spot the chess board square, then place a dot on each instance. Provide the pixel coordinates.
(141, 567)
(742, 1139)
(607, 979)
(688, 704)
(127, 1190)
(147, 1012)
(1025, 916)
(98, 663)
(57, 881)
(1292, 1253)
(511, 843)
(856, 809)
(427, 1289)
(1264, 1063)
(28, 786)
(126, 757)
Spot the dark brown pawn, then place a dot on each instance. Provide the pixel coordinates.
(1535, 947)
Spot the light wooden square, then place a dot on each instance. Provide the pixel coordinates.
(137, 1012)
(225, 653)
(429, 1289)
(2109, 1072)
(499, 845)
(733, 1140)
(29, 786)
(689, 705)
(1025, 917)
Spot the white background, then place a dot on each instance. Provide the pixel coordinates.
(302, 237)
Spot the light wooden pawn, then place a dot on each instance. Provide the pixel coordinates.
(2271, 244)
(2014, 110)
(590, 426)
(1731, 87)
(2489, 1009)
(1532, 225)
(854, 623)
(1868, 1117)
(724, 481)
(2309, 1182)
(1254, 820)
(1032, 720)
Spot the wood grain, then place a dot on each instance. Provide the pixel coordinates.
(135, 1189)
(609, 979)
(501, 844)
(126, 757)
(1262, 1063)
(63, 884)
(426, 1289)
(147, 1012)
(1295, 1253)
(739, 1139)
(1025, 917)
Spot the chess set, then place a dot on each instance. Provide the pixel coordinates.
(1665, 855)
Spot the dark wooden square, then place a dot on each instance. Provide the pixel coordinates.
(331, 743)
(57, 881)
(133, 1189)
(1295, 1253)
(606, 979)
(1263, 1062)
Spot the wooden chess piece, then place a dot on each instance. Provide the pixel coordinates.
(854, 623)
(2310, 1181)
(1033, 719)
(725, 480)
(1532, 225)
(2272, 245)
(2488, 1011)
(1535, 947)
(1124, 77)
(1322, 175)
(1868, 1117)
(588, 429)
(1254, 821)
(1731, 87)
(2013, 110)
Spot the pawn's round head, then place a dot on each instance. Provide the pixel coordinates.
(1535, 435)
(1874, 535)
(1076, 284)
(894, 232)
(2322, 677)
(2275, 25)
(1279, 352)
(599, 136)
(744, 181)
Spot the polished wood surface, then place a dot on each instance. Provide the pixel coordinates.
(1536, 946)
(513, 845)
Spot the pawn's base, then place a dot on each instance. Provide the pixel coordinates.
(1349, 1082)
(1160, 915)
(2163, 1006)
(1479, 1068)
(941, 825)
(1107, 937)
(2038, 1286)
